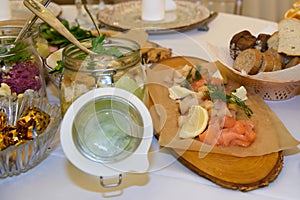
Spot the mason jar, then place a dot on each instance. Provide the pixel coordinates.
(21, 66)
(83, 72)
(13, 27)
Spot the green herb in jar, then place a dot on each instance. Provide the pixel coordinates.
(19, 55)
(97, 47)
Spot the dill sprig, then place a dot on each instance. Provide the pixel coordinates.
(196, 76)
(218, 92)
(233, 99)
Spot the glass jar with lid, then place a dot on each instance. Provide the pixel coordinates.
(21, 66)
(117, 64)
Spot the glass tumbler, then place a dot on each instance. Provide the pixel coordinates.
(21, 66)
(83, 72)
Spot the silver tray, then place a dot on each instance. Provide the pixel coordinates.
(127, 15)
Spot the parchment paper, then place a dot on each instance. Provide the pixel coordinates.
(272, 135)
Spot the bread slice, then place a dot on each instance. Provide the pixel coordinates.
(276, 55)
(267, 63)
(273, 41)
(293, 62)
(277, 65)
(289, 37)
(248, 61)
(241, 41)
(261, 42)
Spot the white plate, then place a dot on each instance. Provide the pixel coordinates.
(20, 11)
(53, 58)
(127, 15)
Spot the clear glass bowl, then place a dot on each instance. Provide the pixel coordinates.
(19, 159)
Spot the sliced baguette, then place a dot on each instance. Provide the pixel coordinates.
(267, 63)
(276, 55)
(248, 61)
(277, 65)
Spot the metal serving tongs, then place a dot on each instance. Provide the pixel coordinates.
(29, 23)
(91, 16)
(39, 10)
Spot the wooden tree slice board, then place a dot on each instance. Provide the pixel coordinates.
(238, 173)
(245, 174)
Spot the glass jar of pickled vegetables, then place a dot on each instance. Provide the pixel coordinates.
(21, 66)
(13, 27)
(116, 63)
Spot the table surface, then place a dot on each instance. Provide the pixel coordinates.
(57, 178)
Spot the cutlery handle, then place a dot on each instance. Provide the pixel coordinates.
(43, 13)
(30, 22)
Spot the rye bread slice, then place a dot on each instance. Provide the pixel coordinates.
(241, 41)
(261, 42)
(248, 61)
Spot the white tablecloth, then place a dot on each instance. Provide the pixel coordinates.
(57, 178)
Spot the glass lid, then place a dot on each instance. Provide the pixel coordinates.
(107, 131)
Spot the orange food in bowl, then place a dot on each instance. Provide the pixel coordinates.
(292, 13)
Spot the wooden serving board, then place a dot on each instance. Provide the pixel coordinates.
(238, 173)
(245, 174)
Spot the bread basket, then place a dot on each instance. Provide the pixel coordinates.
(268, 89)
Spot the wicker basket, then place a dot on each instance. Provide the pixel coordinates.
(268, 90)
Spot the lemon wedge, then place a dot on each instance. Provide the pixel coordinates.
(130, 85)
(196, 122)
